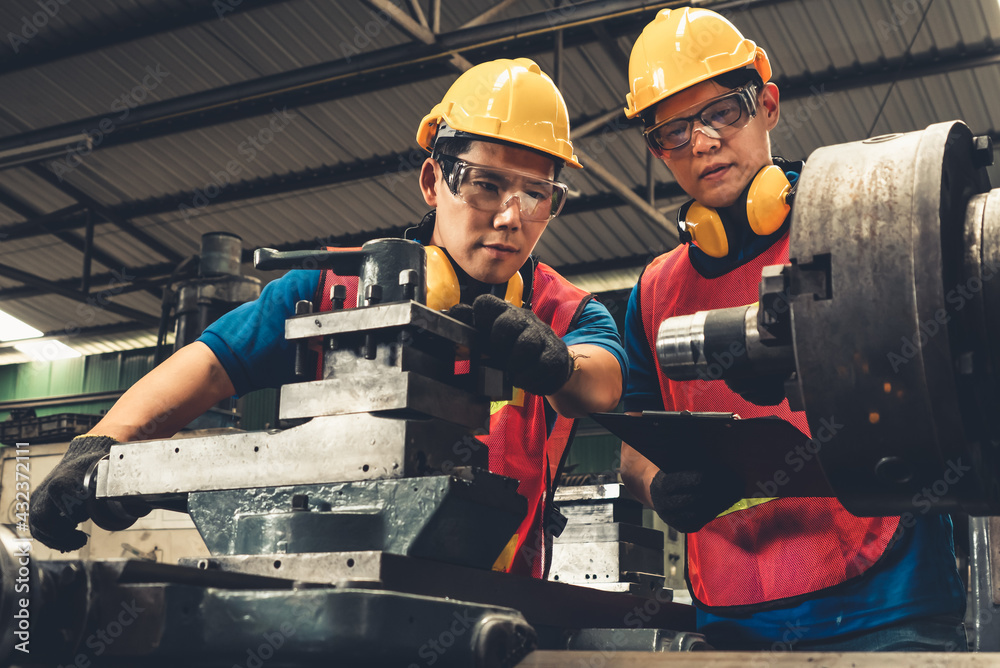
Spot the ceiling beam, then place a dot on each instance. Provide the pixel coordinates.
(34, 53)
(21, 207)
(598, 171)
(417, 30)
(153, 277)
(100, 209)
(77, 296)
(376, 70)
(389, 167)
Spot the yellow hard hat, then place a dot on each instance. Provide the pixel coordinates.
(509, 100)
(681, 48)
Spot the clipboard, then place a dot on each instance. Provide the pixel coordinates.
(774, 458)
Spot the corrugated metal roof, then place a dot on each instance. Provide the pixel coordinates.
(807, 38)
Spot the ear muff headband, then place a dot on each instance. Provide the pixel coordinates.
(765, 202)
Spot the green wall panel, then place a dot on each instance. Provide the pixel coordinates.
(103, 372)
(66, 376)
(8, 382)
(33, 380)
(260, 410)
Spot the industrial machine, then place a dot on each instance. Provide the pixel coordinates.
(366, 531)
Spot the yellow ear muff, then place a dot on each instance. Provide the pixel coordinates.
(515, 290)
(443, 290)
(706, 229)
(766, 205)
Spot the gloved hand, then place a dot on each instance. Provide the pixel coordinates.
(688, 500)
(60, 502)
(533, 357)
(463, 313)
(762, 391)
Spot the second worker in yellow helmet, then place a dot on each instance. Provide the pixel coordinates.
(773, 574)
(498, 141)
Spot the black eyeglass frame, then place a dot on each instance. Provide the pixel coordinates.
(747, 95)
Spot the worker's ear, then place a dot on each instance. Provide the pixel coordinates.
(769, 104)
(430, 181)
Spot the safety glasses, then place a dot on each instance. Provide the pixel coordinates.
(492, 189)
(722, 117)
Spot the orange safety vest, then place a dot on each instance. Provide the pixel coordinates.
(518, 444)
(761, 553)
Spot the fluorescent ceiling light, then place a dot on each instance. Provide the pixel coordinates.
(43, 150)
(46, 351)
(12, 329)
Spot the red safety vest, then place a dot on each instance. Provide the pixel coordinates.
(517, 442)
(760, 551)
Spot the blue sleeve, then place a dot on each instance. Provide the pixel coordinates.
(642, 393)
(250, 340)
(595, 326)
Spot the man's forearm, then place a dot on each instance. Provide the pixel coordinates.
(166, 399)
(637, 472)
(596, 384)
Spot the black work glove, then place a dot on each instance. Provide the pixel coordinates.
(463, 313)
(762, 391)
(688, 500)
(60, 502)
(529, 352)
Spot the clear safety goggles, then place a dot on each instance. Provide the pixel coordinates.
(721, 118)
(492, 189)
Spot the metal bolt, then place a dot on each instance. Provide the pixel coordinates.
(982, 151)
(373, 294)
(338, 294)
(303, 306)
(408, 279)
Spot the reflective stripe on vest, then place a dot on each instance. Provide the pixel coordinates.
(760, 551)
(518, 447)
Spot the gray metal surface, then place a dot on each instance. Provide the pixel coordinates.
(622, 511)
(566, 494)
(323, 450)
(397, 391)
(462, 520)
(585, 563)
(576, 532)
(984, 581)
(542, 602)
(382, 316)
(878, 226)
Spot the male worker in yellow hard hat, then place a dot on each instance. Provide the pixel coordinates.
(498, 140)
(772, 573)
